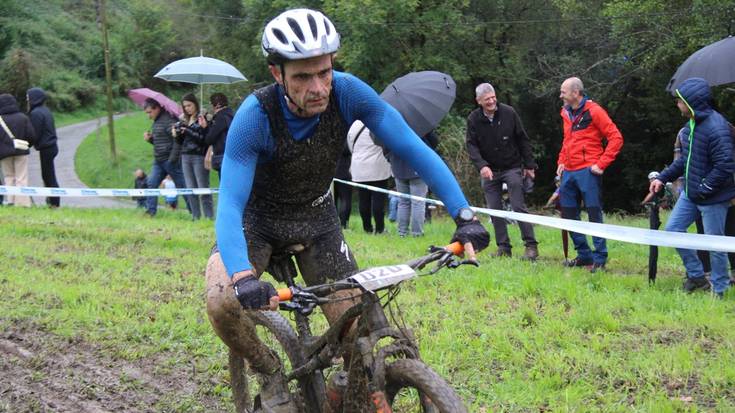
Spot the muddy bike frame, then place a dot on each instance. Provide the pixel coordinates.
(373, 326)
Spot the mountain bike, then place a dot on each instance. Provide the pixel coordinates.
(384, 373)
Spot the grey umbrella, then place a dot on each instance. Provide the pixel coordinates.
(423, 98)
(714, 63)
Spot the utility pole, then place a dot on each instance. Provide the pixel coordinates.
(108, 79)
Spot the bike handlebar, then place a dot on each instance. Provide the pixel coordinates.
(436, 253)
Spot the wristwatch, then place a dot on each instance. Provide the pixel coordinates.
(464, 215)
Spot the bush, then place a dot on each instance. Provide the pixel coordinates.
(68, 90)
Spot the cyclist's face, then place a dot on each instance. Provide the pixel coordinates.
(308, 83)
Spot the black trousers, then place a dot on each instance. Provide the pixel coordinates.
(372, 206)
(48, 172)
(343, 202)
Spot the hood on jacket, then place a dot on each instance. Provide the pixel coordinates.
(8, 104)
(36, 96)
(695, 92)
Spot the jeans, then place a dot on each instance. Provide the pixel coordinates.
(159, 170)
(713, 217)
(372, 206)
(393, 208)
(411, 208)
(493, 197)
(48, 172)
(583, 185)
(196, 176)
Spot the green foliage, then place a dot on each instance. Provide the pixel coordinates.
(625, 51)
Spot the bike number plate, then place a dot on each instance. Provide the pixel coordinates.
(375, 278)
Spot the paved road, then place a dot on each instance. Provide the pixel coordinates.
(69, 139)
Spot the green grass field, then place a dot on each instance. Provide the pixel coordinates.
(95, 166)
(510, 336)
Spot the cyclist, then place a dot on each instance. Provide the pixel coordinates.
(280, 158)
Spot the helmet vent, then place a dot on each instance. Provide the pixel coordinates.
(296, 29)
(326, 26)
(312, 25)
(280, 36)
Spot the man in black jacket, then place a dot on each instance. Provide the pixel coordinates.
(499, 147)
(166, 152)
(43, 124)
(216, 132)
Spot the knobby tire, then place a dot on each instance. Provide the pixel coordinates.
(411, 373)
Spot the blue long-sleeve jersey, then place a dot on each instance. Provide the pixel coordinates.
(250, 142)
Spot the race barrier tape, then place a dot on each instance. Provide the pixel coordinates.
(80, 192)
(608, 231)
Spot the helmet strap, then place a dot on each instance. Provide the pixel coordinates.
(299, 109)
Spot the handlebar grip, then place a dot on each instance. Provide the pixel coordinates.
(284, 294)
(455, 248)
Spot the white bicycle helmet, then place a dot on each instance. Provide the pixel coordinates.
(299, 34)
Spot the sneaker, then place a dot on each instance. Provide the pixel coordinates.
(274, 396)
(577, 262)
(597, 267)
(502, 252)
(531, 253)
(693, 284)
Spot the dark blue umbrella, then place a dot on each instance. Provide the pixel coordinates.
(422, 98)
(714, 63)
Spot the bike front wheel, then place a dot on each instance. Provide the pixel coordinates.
(413, 387)
(278, 335)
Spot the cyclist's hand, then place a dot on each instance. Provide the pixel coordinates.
(472, 232)
(254, 294)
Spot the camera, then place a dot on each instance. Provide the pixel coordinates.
(179, 127)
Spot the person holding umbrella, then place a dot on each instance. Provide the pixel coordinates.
(279, 162)
(707, 166)
(166, 152)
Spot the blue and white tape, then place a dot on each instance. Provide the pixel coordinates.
(608, 231)
(81, 192)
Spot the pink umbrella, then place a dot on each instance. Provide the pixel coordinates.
(140, 95)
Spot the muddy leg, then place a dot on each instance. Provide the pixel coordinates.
(231, 323)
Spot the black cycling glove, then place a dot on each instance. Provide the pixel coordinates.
(253, 294)
(472, 231)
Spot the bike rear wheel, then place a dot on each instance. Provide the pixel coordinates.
(413, 387)
(279, 336)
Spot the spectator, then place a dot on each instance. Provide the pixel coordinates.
(499, 147)
(582, 161)
(166, 151)
(171, 200)
(553, 201)
(141, 182)
(189, 133)
(343, 192)
(43, 124)
(216, 132)
(411, 212)
(707, 166)
(16, 136)
(369, 167)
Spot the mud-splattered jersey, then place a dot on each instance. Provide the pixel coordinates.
(252, 146)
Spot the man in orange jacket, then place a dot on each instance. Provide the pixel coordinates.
(582, 161)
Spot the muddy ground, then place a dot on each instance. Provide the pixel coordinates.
(42, 372)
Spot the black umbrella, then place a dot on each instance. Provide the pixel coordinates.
(714, 63)
(423, 98)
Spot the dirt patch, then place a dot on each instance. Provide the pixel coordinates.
(42, 372)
